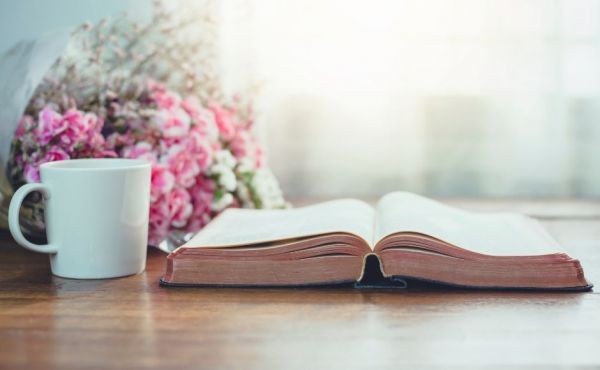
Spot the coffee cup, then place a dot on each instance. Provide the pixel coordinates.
(96, 216)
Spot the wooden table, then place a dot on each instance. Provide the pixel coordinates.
(52, 323)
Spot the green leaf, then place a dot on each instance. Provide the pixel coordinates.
(219, 194)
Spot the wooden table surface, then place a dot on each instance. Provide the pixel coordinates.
(48, 322)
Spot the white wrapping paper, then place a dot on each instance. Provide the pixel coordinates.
(22, 68)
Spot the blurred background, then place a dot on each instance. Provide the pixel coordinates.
(495, 98)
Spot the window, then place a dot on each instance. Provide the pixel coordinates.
(489, 98)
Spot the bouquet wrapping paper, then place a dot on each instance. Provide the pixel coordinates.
(22, 68)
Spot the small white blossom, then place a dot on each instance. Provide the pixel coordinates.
(245, 165)
(222, 203)
(244, 195)
(225, 176)
(224, 157)
(228, 180)
(267, 189)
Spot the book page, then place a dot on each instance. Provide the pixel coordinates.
(249, 226)
(500, 234)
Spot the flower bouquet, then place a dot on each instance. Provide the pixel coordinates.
(126, 90)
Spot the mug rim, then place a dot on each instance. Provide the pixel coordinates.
(96, 164)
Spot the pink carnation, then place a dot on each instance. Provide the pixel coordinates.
(90, 122)
(75, 127)
(204, 124)
(183, 164)
(172, 123)
(96, 140)
(225, 120)
(162, 182)
(25, 124)
(192, 106)
(115, 140)
(244, 144)
(31, 173)
(141, 150)
(203, 119)
(159, 222)
(105, 154)
(50, 124)
(180, 207)
(200, 149)
(55, 153)
(203, 193)
(164, 98)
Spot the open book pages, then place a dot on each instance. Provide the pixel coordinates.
(405, 235)
(246, 226)
(501, 234)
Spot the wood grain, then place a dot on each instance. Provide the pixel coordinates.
(48, 322)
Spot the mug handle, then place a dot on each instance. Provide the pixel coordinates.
(13, 217)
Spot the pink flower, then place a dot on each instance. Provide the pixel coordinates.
(78, 126)
(172, 123)
(180, 207)
(204, 124)
(203, 193)
(200, 149)
(92, 123)
(162, 182)
(170, 210)
(55, 153)
(183, 140)
(156, 86)
(244, 144)
(141, 150)
(50, 124)
(89, 122)
(260, 157)
(96, 140)
(183, 164)
(225, 120)
(76, 120)
(105, 154)
(163, 97)
(159, 221)
(192, 106)
(26, 123)
(116, 140)
(31, 173)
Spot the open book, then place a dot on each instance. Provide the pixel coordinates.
(407, 236)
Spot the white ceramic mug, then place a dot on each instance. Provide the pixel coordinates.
(96, 216)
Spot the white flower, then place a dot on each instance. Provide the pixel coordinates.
(267, 189)
(243, 193)
(225, 176)
(228, 180)
(222, 203)
(245, 165)
(224, 157)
